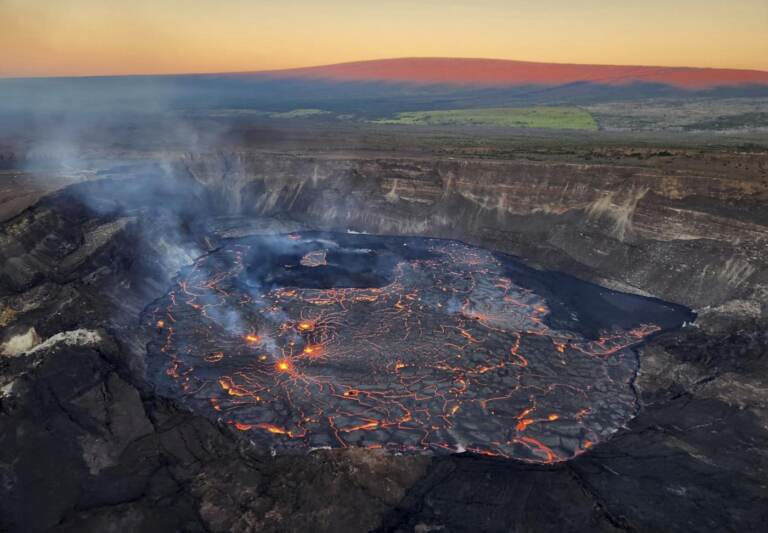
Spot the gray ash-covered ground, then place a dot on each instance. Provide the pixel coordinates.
(337, 340)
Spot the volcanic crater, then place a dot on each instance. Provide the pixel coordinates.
(414, 345)
(184, 323)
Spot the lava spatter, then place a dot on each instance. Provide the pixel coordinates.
(411, 345)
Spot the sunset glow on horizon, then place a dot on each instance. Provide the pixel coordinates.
(91, 37)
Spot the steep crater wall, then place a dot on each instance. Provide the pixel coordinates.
(673, 233)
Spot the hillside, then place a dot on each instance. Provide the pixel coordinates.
(497, 72)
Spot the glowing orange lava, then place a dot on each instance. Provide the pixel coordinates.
(284, 366)
(449, 353)
(313, 350)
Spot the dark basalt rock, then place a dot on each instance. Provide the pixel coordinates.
(686, 463)
(87, 445)
(467, 494)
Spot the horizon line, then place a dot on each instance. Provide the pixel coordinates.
(361, 61)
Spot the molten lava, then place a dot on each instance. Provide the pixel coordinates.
(437, 350)
(305, 326)
(284, 366)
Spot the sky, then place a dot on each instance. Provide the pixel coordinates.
(105, 37)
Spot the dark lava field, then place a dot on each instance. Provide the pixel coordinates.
(339, 340)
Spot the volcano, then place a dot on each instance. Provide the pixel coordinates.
(279, 341)
(506, 73)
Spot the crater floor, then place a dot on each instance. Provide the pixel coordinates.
(316, 340)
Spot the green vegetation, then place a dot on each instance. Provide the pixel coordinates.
(546, 117)
(507, 117)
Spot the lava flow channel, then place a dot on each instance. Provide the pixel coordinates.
(445, 354)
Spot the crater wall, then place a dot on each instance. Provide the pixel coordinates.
(696, 237)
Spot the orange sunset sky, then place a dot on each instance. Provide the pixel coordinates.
(97, 37)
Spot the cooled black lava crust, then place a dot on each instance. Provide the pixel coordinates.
(409, 344)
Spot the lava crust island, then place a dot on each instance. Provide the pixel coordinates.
(408, 344)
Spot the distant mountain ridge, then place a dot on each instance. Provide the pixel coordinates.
(378, 90)
(501, 73)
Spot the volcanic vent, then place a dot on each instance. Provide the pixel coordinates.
(334, 340)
